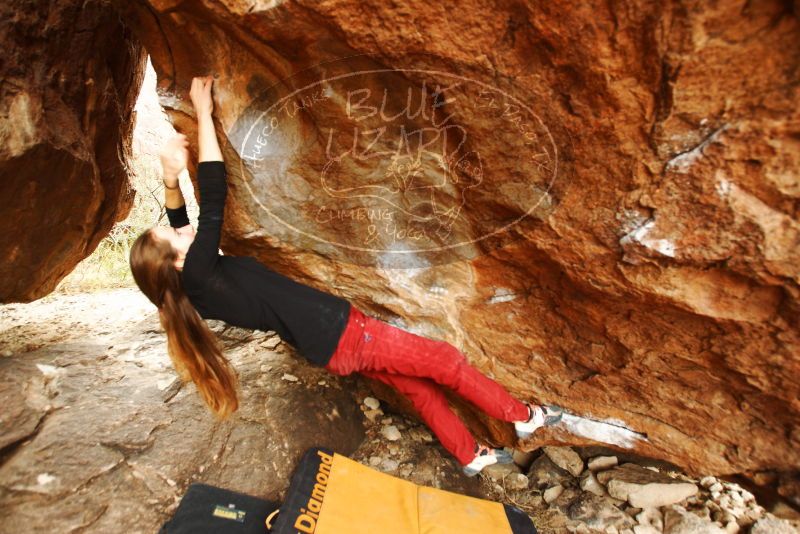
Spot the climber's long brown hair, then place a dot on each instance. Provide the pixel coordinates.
(191, 345)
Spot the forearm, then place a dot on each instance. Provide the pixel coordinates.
(207, 139)
(173, 198)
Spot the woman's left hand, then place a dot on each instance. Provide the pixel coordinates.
(174, 156)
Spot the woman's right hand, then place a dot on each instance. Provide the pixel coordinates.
(200, 93)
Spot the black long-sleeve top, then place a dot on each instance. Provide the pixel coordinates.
(243, 292)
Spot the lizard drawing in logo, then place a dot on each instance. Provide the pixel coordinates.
(424, 187)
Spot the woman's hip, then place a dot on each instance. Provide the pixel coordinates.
(371, 344)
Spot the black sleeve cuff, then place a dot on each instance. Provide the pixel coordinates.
(177, 216)
(211, 169)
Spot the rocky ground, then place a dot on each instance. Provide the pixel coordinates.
(588, 490)
(98, 435)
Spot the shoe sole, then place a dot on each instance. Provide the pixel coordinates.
(549, 420)
(471, 472)
(502, 458)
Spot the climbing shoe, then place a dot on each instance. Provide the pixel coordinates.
(539, 416)
(486, 456)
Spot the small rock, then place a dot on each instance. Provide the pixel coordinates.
(651, 517)
(643, 488)
(552, 494)
(565, 500)
(375, 461)
(772, 525)
(732, 527)
(784, 511)
(372, 403)
(373, 415)
(566, 459)
(589, 483)
(543, 473)
(386, 421)
(601, 463)
(678, 521)
(523, 459)
(321, 383)
(389, 465)
(391, 433)
(271, 343)
(645, 529)
(749, 517)
(598, 513)
(578, 528)
(707, 482)
(289, 378)
(499, 472)
(716, 487)
(737, 511)
(517, 481)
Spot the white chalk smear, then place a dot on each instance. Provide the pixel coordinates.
(608, 431)
(665, 247)
(44, 479)
(684, 161)
(502, 294)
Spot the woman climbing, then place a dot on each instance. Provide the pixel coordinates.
(183, 274)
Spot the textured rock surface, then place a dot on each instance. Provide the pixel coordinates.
(71, 74)
(102, 437)
(653, 284)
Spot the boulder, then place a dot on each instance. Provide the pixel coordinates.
(645, 183)
(71, 73)
(578, 198)
(644, 488)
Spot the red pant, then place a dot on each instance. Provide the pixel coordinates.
(414, 365)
